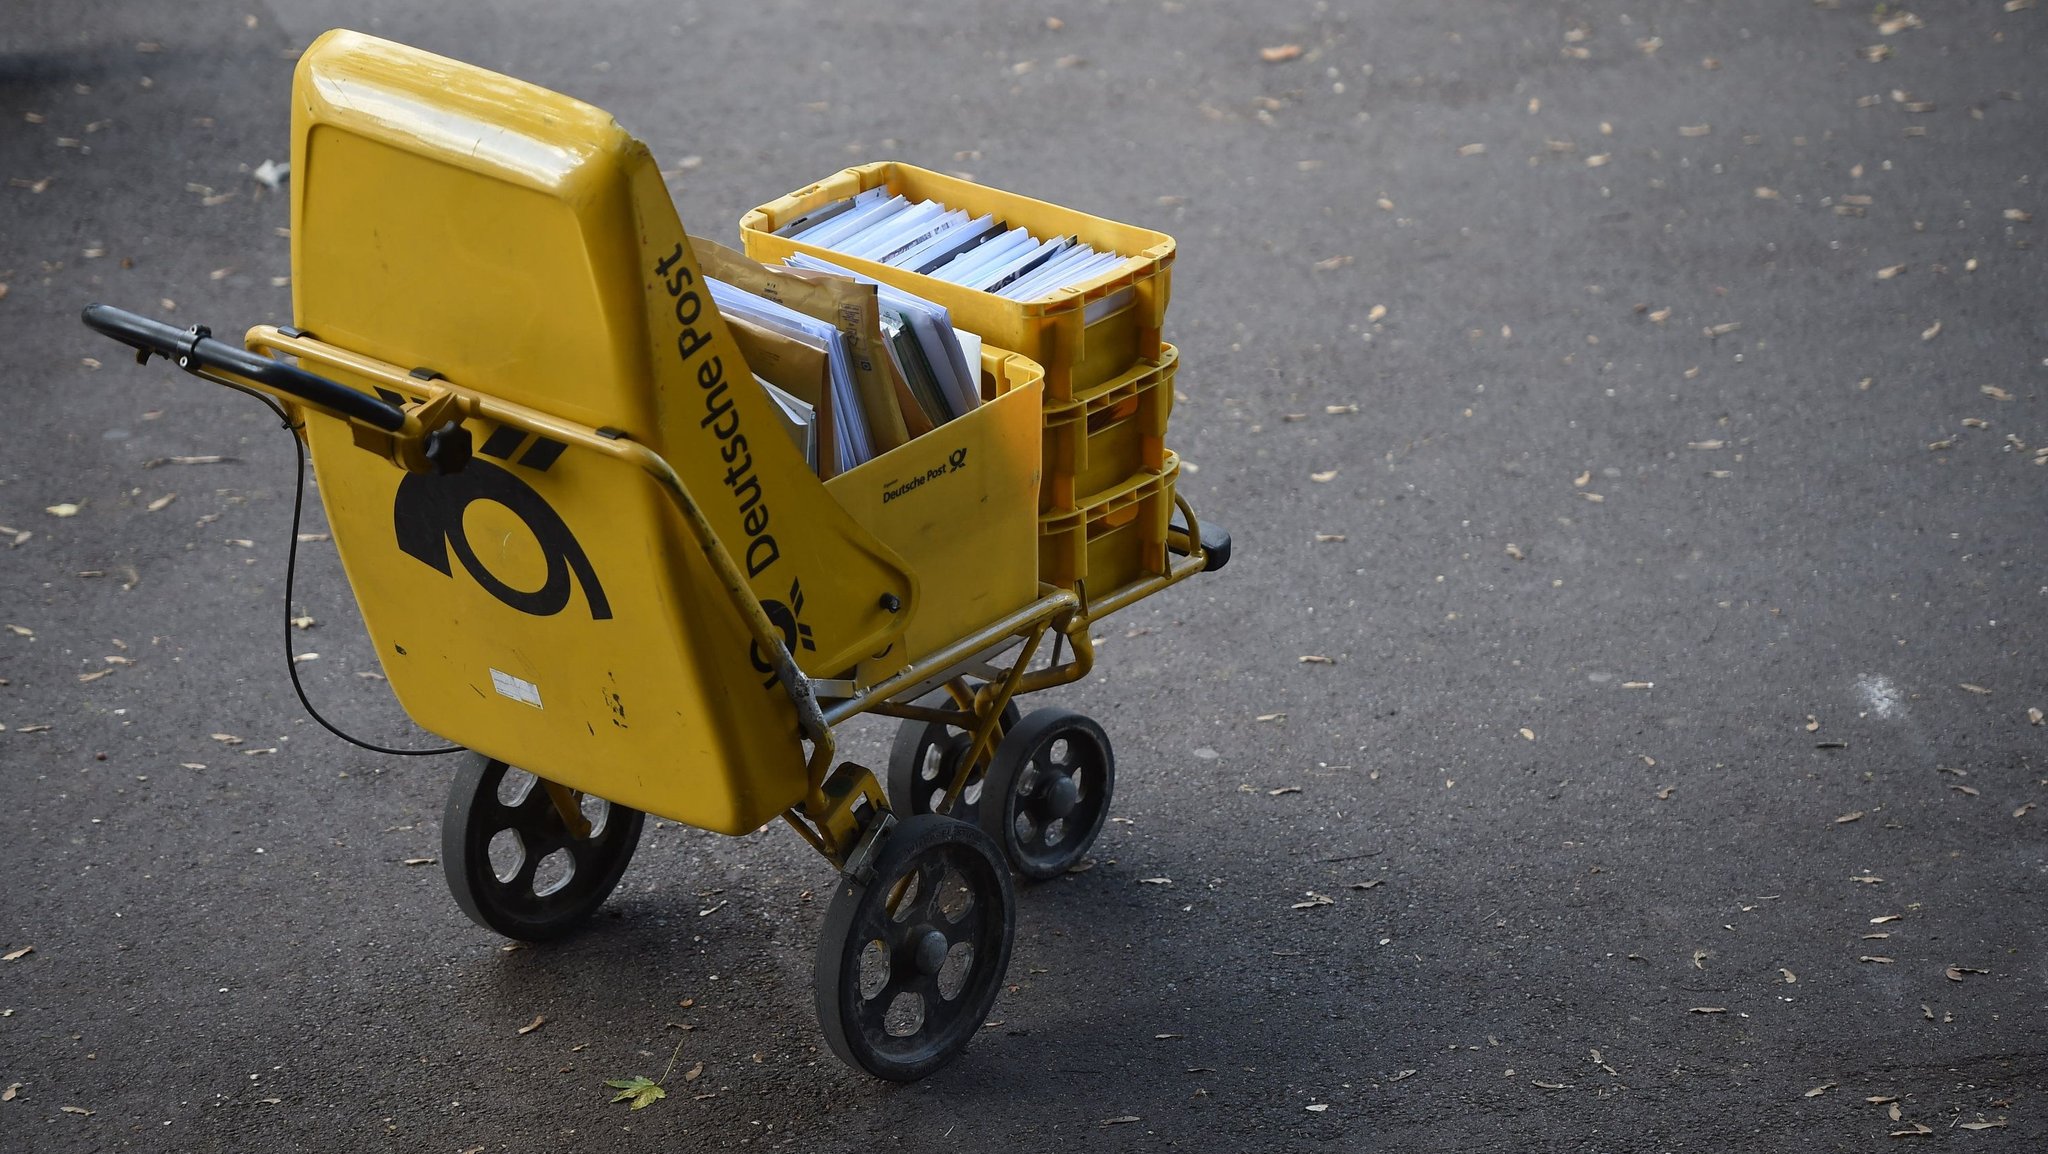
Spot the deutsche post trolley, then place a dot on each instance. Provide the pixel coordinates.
(586, 554)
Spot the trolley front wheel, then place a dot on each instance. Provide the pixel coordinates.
(515, 866)
(910, 962)
(1048, 791)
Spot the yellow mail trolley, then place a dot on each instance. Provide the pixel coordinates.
(589, 556)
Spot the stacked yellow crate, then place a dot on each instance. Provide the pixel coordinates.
(1106, 494)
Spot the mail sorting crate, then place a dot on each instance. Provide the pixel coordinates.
(1106, 434)
(1117, 538)
(1083, 335)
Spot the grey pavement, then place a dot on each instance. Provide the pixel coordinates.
(1639, 405)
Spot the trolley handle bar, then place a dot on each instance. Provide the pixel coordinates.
(194, 349)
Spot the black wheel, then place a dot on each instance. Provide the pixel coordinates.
(1048, 791)
(922, 762)
(909, 964)
(514, 865)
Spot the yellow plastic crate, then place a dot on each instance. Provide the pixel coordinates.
(1107, 433)
(1116, 538)
(1083, 335)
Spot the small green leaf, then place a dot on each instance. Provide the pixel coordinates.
(639, 1089)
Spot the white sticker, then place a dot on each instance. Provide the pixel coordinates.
(515, 688)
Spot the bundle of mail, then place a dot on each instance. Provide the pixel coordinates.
(856, 368)
(978, 252)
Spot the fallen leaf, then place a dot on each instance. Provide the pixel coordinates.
(539, 1020)
(1278, 54)
(1812, 723)
(1316, 1107)
(205, 460)
(1320, 478)
(1916, 1130)
(2019, 215)
(1695, 129)
(20, 630)
(1823, 1088)
(693, 1073)
(1515, 551)
(1706, 444)
(1579, 482)
(1845, 819)
(76, 1110)
(1339, 410)
(1708, 1010)
(1548, 1085)
(1764, 193)
(708, 911)
(1971, 688)
(1376, 312)
(1326, 538)
(1955, 973)
(420, 861)
(1314, 900)
(227, 739)
(639, 1089)
(1372, 883)
(1282, 790)
(1472, 150)
(1315, 659)
(1995, 393)
(1333, 263)
(2034, 715)
(16, 955)
(1790, 977)
(1665, 793)
(2022, 811)
(1882, 961)
(67, 509)
(1699, 957)
(13, 1088)
(1930, 332)
(158, 504)
(1878, 921)
(95, 675)
(1982, 1125)
(1890, 271)
(1270, 717)
(1155, 881)
(1867, 879)
(1123, 1120)
(1639, 685)
(1967, 791)
(1527, 733)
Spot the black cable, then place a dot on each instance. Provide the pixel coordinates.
(291, 571)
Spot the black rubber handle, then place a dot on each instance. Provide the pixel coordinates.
(194, 349)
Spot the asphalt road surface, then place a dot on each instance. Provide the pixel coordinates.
(1639, 405)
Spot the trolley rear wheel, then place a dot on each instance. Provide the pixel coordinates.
(1048, 791)
(924, 758)
(910, 962)
(512, 862)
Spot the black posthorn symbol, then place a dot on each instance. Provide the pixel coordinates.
(958, 460)
(427, 514)
(787, 617)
